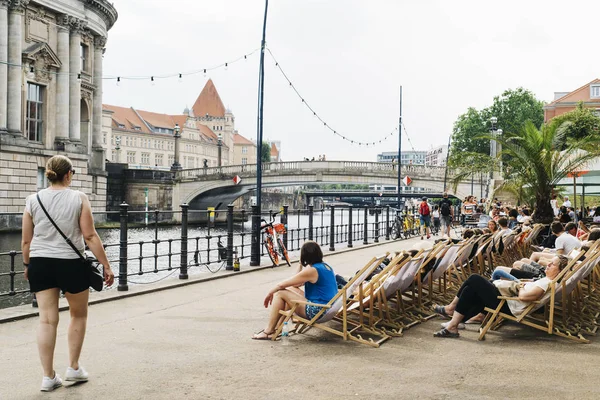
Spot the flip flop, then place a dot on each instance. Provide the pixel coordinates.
(441, 310)
(268, 336)
(461, 326)
(445, 333)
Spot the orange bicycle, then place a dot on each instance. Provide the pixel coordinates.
(272, 232)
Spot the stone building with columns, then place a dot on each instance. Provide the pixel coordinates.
(51, 94)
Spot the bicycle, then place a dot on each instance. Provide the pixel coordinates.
(397, 228)
(272, 232)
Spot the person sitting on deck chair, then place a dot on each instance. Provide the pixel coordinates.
(477, 293)
(564, 244)
(319, 283)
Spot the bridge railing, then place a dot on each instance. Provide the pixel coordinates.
(307, 166)
(145, 247)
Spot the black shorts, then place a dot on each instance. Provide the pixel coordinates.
(69, 275)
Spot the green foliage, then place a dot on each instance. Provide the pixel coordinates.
(265, 155)
(513, 108)
(539, 158)
(582, 122)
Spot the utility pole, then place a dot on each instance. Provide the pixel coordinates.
(447, 157)
(400, 151)
(255, 243)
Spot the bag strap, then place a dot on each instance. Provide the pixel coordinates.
(69, 242)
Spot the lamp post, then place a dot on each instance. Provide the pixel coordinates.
(118, 149)
(177, 135)
(219, 147)
(255, 242)
(493, 154)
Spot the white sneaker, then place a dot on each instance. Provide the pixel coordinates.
(49, 384)
(76, 375)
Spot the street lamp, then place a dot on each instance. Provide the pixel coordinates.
(493, 153)
(118, 149)
(177, 135)
(219, 146)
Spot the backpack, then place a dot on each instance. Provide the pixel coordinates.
(445, 208)
(424, 209)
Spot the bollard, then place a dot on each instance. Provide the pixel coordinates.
(365, 228)
(255, 242)
(184, 228)
(350, 226)
(284, 221)
(123, 287)
(229, 266)
(310, 221)
(376, 233)
(387, 223)
(332, 229)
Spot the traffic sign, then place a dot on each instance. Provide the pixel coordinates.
(237, 180)
(407, 181)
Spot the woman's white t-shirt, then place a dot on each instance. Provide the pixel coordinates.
(64, 206)
(517, 306)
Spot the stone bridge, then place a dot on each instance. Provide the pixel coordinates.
(214, 187)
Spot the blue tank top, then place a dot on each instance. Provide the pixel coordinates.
(325, 288)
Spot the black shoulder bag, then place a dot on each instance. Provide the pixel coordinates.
(90, 263)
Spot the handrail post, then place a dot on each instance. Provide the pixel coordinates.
(387, 223)
(376, 233)
(229, 266)
(366, 227)
(284, 221)
(310, 221)
(184, 237)
(332, 229)
(123, 287)
(255, 238)
(350, 226)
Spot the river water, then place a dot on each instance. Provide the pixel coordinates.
(140, 245)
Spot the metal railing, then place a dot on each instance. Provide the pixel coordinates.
(202, 244)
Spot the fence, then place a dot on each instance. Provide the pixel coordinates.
(207, 245)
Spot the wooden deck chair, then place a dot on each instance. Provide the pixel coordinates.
(479, 259)
(439, 273)
(425, 271)
(338, 304)
(494, 316)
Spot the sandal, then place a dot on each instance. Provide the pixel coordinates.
(461, 326)
(441, 310)
(267, 336)
(445, 333)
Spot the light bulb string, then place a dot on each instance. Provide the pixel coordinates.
(335, 132)
(408, 137)
(32, 68)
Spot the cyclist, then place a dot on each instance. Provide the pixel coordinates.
(446, 214)
(425, 214)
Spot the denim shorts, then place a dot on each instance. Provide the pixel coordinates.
(426, 220)
(311, 311)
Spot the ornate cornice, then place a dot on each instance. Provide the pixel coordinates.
(18, 5)
(99, 42)
(4, 3)
(106, 10)
(77, 25)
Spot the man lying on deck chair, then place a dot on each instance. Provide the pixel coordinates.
(565, 243)
(477, 292)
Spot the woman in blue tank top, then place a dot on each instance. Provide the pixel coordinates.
(319, 283)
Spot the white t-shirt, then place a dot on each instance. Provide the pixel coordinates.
(567, 203)
(567, 242)
(518, 306)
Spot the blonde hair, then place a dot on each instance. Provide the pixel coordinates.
(57, 167)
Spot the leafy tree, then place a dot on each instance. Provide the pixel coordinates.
(265, 155)
(583, 122)
(468, 126)
(540, 158)
(514, 108)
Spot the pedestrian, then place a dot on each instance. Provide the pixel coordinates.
(52, 265)
(567, 202)
(446, 214)
(425, 216)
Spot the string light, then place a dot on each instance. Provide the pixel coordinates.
(79, 77)
(118, 81)
(180, 78)
(325, 124)
(226, 67)
(152, 81)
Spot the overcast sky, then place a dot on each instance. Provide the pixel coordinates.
(348, 58)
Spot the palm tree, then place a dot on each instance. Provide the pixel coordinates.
(540, 158)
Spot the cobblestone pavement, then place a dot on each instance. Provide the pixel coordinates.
(194, 342)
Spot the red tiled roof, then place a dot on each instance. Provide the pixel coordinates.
(576, 95)
(239, 139)
(157, 120)
(127, 117)
(206, 131)
(274, 150)
(209, 102)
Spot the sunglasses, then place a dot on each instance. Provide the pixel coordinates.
(73, 171)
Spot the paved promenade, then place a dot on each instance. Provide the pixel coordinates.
(193, 342)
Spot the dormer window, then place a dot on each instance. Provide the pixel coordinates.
(595, 91)
(122, 126)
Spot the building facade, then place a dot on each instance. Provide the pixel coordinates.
(51, 94)
(244, 150)
(564, 102)
(144, 139)
(408, 157)
(436, 157)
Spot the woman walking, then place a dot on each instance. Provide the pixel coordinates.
(51, 265)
